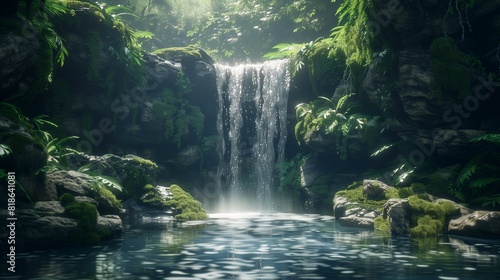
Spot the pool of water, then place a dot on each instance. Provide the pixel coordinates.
(264, 246)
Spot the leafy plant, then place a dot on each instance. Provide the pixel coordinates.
(101, 181)
(354, 35)
(479, 180)
(105, 186)
(4, 150)
(324, 117)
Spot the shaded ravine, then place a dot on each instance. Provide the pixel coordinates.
(251, 122)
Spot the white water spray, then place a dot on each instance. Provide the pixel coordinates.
(252, 127)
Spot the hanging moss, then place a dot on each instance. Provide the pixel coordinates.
(450, 75)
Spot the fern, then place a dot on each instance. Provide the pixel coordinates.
(353, 34)
(492, 138)
(479, 180)
(101, 181)
(324, 116)
(284, 50)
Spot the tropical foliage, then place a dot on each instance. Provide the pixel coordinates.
(322, 116)
(227, 29)
(479, 180)
(178, 114)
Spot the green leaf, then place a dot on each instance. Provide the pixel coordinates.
(144, 34)
(113, 10)
(4, 150)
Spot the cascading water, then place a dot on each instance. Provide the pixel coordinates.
(252, 127)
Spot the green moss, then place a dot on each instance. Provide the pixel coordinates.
(93, 43)
(450, 76)
(427, 227)
(356, 195)
(170, 53)
(95, 10)
(152, 196)
(66, 199)
(109, 196)
(185, 206)
(179, 116)
(429, 218)
(84, 212)
(415, 188)
(382, 225)
(326, 66)
(146, 162)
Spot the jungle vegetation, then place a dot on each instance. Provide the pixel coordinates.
(331, 40)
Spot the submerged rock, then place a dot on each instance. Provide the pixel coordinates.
(484, 224)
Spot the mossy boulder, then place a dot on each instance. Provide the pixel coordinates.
(173, 200)
(83, 185)
(50, 224)
(417, 216)
(185, 206)
(352, 207)
(91, 227)
(26, 156)
(131, 172)
(184, 55)
(485, 224)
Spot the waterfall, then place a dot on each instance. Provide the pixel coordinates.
(251, 122)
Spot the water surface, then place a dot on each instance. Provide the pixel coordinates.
(264, 246)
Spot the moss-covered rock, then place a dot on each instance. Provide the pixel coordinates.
(173, 199)
(326, 66)
(179, 53)
(430, 218)
(357, 197)
(89, 230)
(450, 76)
(185, 206)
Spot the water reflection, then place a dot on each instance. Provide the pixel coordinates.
(265, 246)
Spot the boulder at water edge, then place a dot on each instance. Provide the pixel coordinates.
(478, 224)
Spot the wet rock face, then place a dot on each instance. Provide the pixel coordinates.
(354, 214)
(398, 212)
(478, 224)
(27, 156)
(81, 185)
(17, 74)
(46, 225)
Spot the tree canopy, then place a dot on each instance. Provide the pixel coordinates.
(236, 30)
